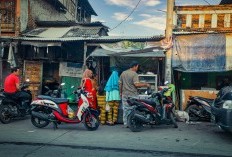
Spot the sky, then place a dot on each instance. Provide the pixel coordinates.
(147, 19)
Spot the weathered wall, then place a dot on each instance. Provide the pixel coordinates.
(217, 17)
(43, 11)
(23, 15)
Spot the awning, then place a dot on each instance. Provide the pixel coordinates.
(41, 44)
(140, 53)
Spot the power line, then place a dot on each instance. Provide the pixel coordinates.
(206, 2)
(127, 16)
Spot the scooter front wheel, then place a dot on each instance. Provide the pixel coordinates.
(91, 121)
(133, 123)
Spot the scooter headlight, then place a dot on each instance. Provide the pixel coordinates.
(227, 104)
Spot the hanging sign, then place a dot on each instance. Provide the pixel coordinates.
(70, 69)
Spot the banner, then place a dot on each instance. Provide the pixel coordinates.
(70, 69)
(126, 46)
(200, 53)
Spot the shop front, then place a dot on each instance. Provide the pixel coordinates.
(151, 70)
(201, 63)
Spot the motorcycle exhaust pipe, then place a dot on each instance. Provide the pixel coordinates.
(141, 118)
(40, 115)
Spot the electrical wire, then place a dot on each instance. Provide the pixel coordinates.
(127, 16)
(214, 9)
(206, 2)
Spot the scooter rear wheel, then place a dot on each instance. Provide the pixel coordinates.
(171, 116)
(133, 123)
(91, 121)
(5, 116)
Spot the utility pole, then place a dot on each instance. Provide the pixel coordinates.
(1, 52)
(168, 34)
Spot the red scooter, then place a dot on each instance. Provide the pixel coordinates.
(158, 109)
(47, 109)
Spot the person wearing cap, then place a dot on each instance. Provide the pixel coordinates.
(128, 84)
(171, 89)
(168, 94)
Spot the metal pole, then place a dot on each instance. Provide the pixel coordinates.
(1, 53)
(169, 27)
(84, 59)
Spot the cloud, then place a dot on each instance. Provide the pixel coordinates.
(121, 16)
(154, 22)
(132, 3)
(94, 19)
(145, 15)
(152, 2)
(127, 3)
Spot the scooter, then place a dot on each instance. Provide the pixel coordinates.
(155, 110)
(11, 108)
(199, 108)
(47, 109)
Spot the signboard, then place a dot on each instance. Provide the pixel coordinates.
(70, 69)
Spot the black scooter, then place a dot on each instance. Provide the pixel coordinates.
(10, 108)
(56, 93)
(199, 108)
(158, 109)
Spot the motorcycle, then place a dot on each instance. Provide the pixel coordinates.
(199, 108)
(157, 109)
(11, 107)
(56, 93)
(47, 109)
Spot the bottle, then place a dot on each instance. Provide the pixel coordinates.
(70, 112)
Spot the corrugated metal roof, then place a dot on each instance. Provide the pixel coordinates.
(58, 32)
(102, 38)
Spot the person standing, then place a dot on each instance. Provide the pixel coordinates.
(128, 84)
(86, 84)
(12, 88)
(112, 97)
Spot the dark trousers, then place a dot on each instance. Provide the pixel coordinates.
(22, 97)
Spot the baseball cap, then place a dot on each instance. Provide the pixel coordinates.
(166, 82)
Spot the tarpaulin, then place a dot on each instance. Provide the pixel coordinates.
(200, 53)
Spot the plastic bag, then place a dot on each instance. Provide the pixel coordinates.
(107, 107)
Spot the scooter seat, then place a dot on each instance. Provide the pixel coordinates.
(206, 99)
(150, 102)
(56, 100)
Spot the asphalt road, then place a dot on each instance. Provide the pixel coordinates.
(20, 138)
